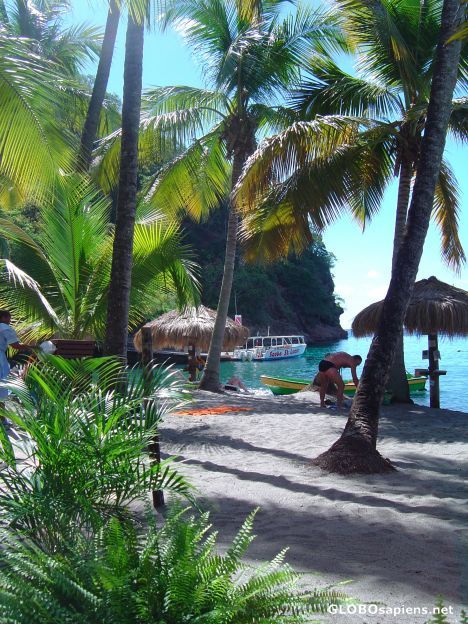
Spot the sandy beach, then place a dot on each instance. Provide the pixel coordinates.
(402, 539)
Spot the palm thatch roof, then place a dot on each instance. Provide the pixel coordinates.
(435, 308)
(192, 326)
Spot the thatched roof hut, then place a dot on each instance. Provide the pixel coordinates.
(191, 326)
(435, 308)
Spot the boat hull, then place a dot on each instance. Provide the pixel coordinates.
(288, 385)
(264, 355)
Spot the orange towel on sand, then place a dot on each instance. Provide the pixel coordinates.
(210, 411)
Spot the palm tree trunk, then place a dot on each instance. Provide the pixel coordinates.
(91, 124)
(397, 382)
(121, 273)
(210, 380)
(355, 451)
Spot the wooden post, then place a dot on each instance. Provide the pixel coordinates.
(154, 450)
(434, 371)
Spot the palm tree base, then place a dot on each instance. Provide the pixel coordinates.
(210, 383)
(352, 455)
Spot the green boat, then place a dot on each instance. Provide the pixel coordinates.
(288, 385)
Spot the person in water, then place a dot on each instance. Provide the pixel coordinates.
(8, 338)
(329, 372)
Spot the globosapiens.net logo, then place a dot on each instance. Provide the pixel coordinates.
(375, 609)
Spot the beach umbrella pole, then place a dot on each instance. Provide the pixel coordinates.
(154, 449)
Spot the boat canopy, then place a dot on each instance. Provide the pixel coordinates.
(273, 341)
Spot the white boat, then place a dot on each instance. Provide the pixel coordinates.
(260, 348)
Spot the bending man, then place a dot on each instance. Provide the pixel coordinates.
(329, 371)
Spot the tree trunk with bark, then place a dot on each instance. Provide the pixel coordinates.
(122, 257)
(210, 380)
(355, 451)
(397, 382)
(240, 141)
(90, 128)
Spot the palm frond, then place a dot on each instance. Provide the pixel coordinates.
(194, 182)
(351, 178)
(161, 263)
(446, 214)
(330, 90)
(82, 455)
(32, 145)
(278, 157)
(458, 122)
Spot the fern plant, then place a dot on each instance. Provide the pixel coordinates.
(80, 450)
(171, 575)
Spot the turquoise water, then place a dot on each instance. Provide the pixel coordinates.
(454, 354)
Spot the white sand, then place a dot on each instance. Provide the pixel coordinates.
(401, 538)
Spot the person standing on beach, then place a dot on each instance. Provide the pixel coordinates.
(329, 372)
(8, 338)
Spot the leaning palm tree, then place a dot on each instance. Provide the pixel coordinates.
(252, 57)
(384, 111)
(91, 124)
(356, 451)
(57, 282)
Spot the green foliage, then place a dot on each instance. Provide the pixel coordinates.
(351, 134)
(57, 280)
(80, 453)
(296, 292)
(173, 575)
(33, 145)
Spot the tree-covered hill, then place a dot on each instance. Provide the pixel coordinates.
(291, 296)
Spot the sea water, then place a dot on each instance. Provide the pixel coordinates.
(454, 359)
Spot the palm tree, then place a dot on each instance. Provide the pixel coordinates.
(356, 451)
(252, 57)
(90, 127)
(121, 271)
(396, 46)
(41, 23)
(57, 282)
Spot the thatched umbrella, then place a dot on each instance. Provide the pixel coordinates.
(435, 308)
(191, 326)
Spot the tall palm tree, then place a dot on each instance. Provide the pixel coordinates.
(396, 47)
(252, 57)
(90, 127)
(356, 451)
(121, 271)
(56, 283)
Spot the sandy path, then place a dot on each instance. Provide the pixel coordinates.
(401, 538)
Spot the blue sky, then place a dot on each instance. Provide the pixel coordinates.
(363, 260)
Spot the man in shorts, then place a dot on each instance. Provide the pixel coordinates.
(329, 372)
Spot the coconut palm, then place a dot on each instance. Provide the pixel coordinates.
(396, 47)
(252, 56)
(91, 124)
(122, 255)
(41, 23)
(356, 451)
(57, 283)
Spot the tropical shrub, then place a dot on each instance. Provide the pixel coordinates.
(57, 282)
(172, 575)
(78, 453)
